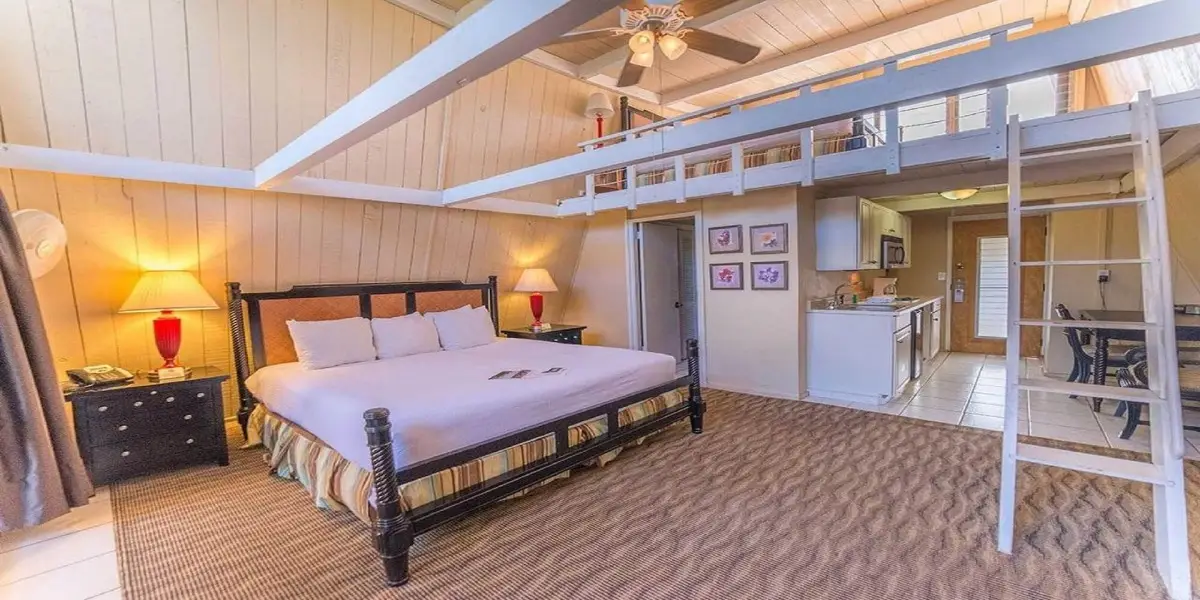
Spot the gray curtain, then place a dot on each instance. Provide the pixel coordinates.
(41, 473)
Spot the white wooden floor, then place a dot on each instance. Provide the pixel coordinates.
(71, 558)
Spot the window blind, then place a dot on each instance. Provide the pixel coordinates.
(991, 307)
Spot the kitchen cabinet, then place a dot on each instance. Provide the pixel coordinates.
(850, 233)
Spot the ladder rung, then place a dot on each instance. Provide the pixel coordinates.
(1084, 263)
(1086, 205)
(1102, 149)
(1088, 324)
(1091, 390)
(1092, 463)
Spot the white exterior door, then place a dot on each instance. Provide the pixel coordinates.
(659, 249)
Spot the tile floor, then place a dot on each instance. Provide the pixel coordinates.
(74, 557)
(968, 389)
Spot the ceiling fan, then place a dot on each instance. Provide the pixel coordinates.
(664, 26)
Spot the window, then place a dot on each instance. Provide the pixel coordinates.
(991, 309)
(1034, 98)
(922, 120)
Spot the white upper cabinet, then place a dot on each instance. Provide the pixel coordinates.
(850, 233)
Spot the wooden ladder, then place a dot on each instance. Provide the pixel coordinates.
(1165, 469)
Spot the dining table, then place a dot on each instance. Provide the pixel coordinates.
(1187, 329)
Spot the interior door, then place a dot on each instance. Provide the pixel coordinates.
(966, 258)
(659, 249)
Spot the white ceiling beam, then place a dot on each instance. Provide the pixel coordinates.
(471, 8)
(875, 32)
(499, 33)
(1137, 31)
(35, 158)
(713, 17)
(1000, 196)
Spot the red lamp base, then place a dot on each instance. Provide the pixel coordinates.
(535, 306)
(168, 333)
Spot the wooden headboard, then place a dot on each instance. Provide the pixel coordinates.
(258, 321)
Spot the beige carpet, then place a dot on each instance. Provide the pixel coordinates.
(776, 499)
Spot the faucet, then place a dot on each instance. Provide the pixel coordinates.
(837, 296)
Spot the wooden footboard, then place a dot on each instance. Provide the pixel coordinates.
(395, 528)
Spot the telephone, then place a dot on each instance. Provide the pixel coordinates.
(100, 375)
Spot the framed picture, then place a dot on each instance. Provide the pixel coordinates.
(769, 275)
(725, 276)
(725, 240)
(769, 239)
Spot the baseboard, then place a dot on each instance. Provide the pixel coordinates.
(737, 389)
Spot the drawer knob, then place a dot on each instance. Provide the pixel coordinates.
(170, 399)
(122, 428)
(103, 409)
(200, 395)
(187, 417)
(137, 404)
(124, 454)
(191, 441)
(153, 392)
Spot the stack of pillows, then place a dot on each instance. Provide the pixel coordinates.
(323, 344)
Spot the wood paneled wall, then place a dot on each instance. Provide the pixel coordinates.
(267, 241)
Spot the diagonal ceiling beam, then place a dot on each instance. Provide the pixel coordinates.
(497, 34)
(1165, 24)
(882, 29)
(593, 67)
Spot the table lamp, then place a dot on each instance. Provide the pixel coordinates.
(535, 281)
(168, 291)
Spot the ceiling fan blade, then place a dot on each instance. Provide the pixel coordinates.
(632, 4)
(719, 45)
(631, 74)
(578, 36)
(695, 8)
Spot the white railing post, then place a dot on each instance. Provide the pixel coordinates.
(680, 177)
(997, 119)
(806, 156)
(590, 183)
(893, 129)
(737, 161)
(631, 179)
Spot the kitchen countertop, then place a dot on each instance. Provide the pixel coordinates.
(921, 302)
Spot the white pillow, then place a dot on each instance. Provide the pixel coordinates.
(464, 327)
(404, 336)
(321, 344)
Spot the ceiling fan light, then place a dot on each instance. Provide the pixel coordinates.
(672, 46)
(641, 42)
(962, 194)
(643, 59)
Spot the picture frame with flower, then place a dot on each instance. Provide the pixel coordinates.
(726, 239)
(725, 276)
(769, 275)
(769, 239)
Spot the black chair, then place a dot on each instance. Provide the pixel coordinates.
(1082, 369)
(1138, 376)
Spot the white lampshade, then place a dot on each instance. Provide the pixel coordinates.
(535, 280)
(643, 59)
(672, 46)
(167, 290)
(599, 106)
(641, 42)
(962, 194)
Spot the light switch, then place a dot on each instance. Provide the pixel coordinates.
(941, 276)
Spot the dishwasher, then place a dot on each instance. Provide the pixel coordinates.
(903, 358)
(919, 318)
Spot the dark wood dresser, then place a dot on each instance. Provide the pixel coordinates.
(146, 426)
(563, 334)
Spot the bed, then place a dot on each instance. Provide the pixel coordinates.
(441, 439)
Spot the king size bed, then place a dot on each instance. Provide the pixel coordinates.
(442, 438)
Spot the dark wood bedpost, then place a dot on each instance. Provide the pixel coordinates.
(695, 400)
(494, 302)
(393, 530)
(241, 361)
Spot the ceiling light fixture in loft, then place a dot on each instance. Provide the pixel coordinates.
(962, 194)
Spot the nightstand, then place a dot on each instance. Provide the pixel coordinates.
(563, 334)
(144, 426)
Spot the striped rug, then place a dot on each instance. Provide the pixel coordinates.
(776, 499)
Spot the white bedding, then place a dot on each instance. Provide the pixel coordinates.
(444, 401)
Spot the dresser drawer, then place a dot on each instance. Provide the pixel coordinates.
(114, 461)
(140, 401)
(564, 337)
(120, 427)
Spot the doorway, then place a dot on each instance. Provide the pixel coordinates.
(666, 286)
(979, 265)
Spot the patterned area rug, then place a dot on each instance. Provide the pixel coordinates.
(776, 499)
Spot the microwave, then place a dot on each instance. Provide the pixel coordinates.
(893, 252)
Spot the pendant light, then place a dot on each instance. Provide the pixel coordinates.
(643, 59)
(672, 46)
(641, 42)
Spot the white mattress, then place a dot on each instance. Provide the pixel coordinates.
(444, 401)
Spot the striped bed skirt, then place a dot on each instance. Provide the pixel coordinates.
(338, 484)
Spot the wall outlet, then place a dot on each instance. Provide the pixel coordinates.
(941, 276)
(1103, 275)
